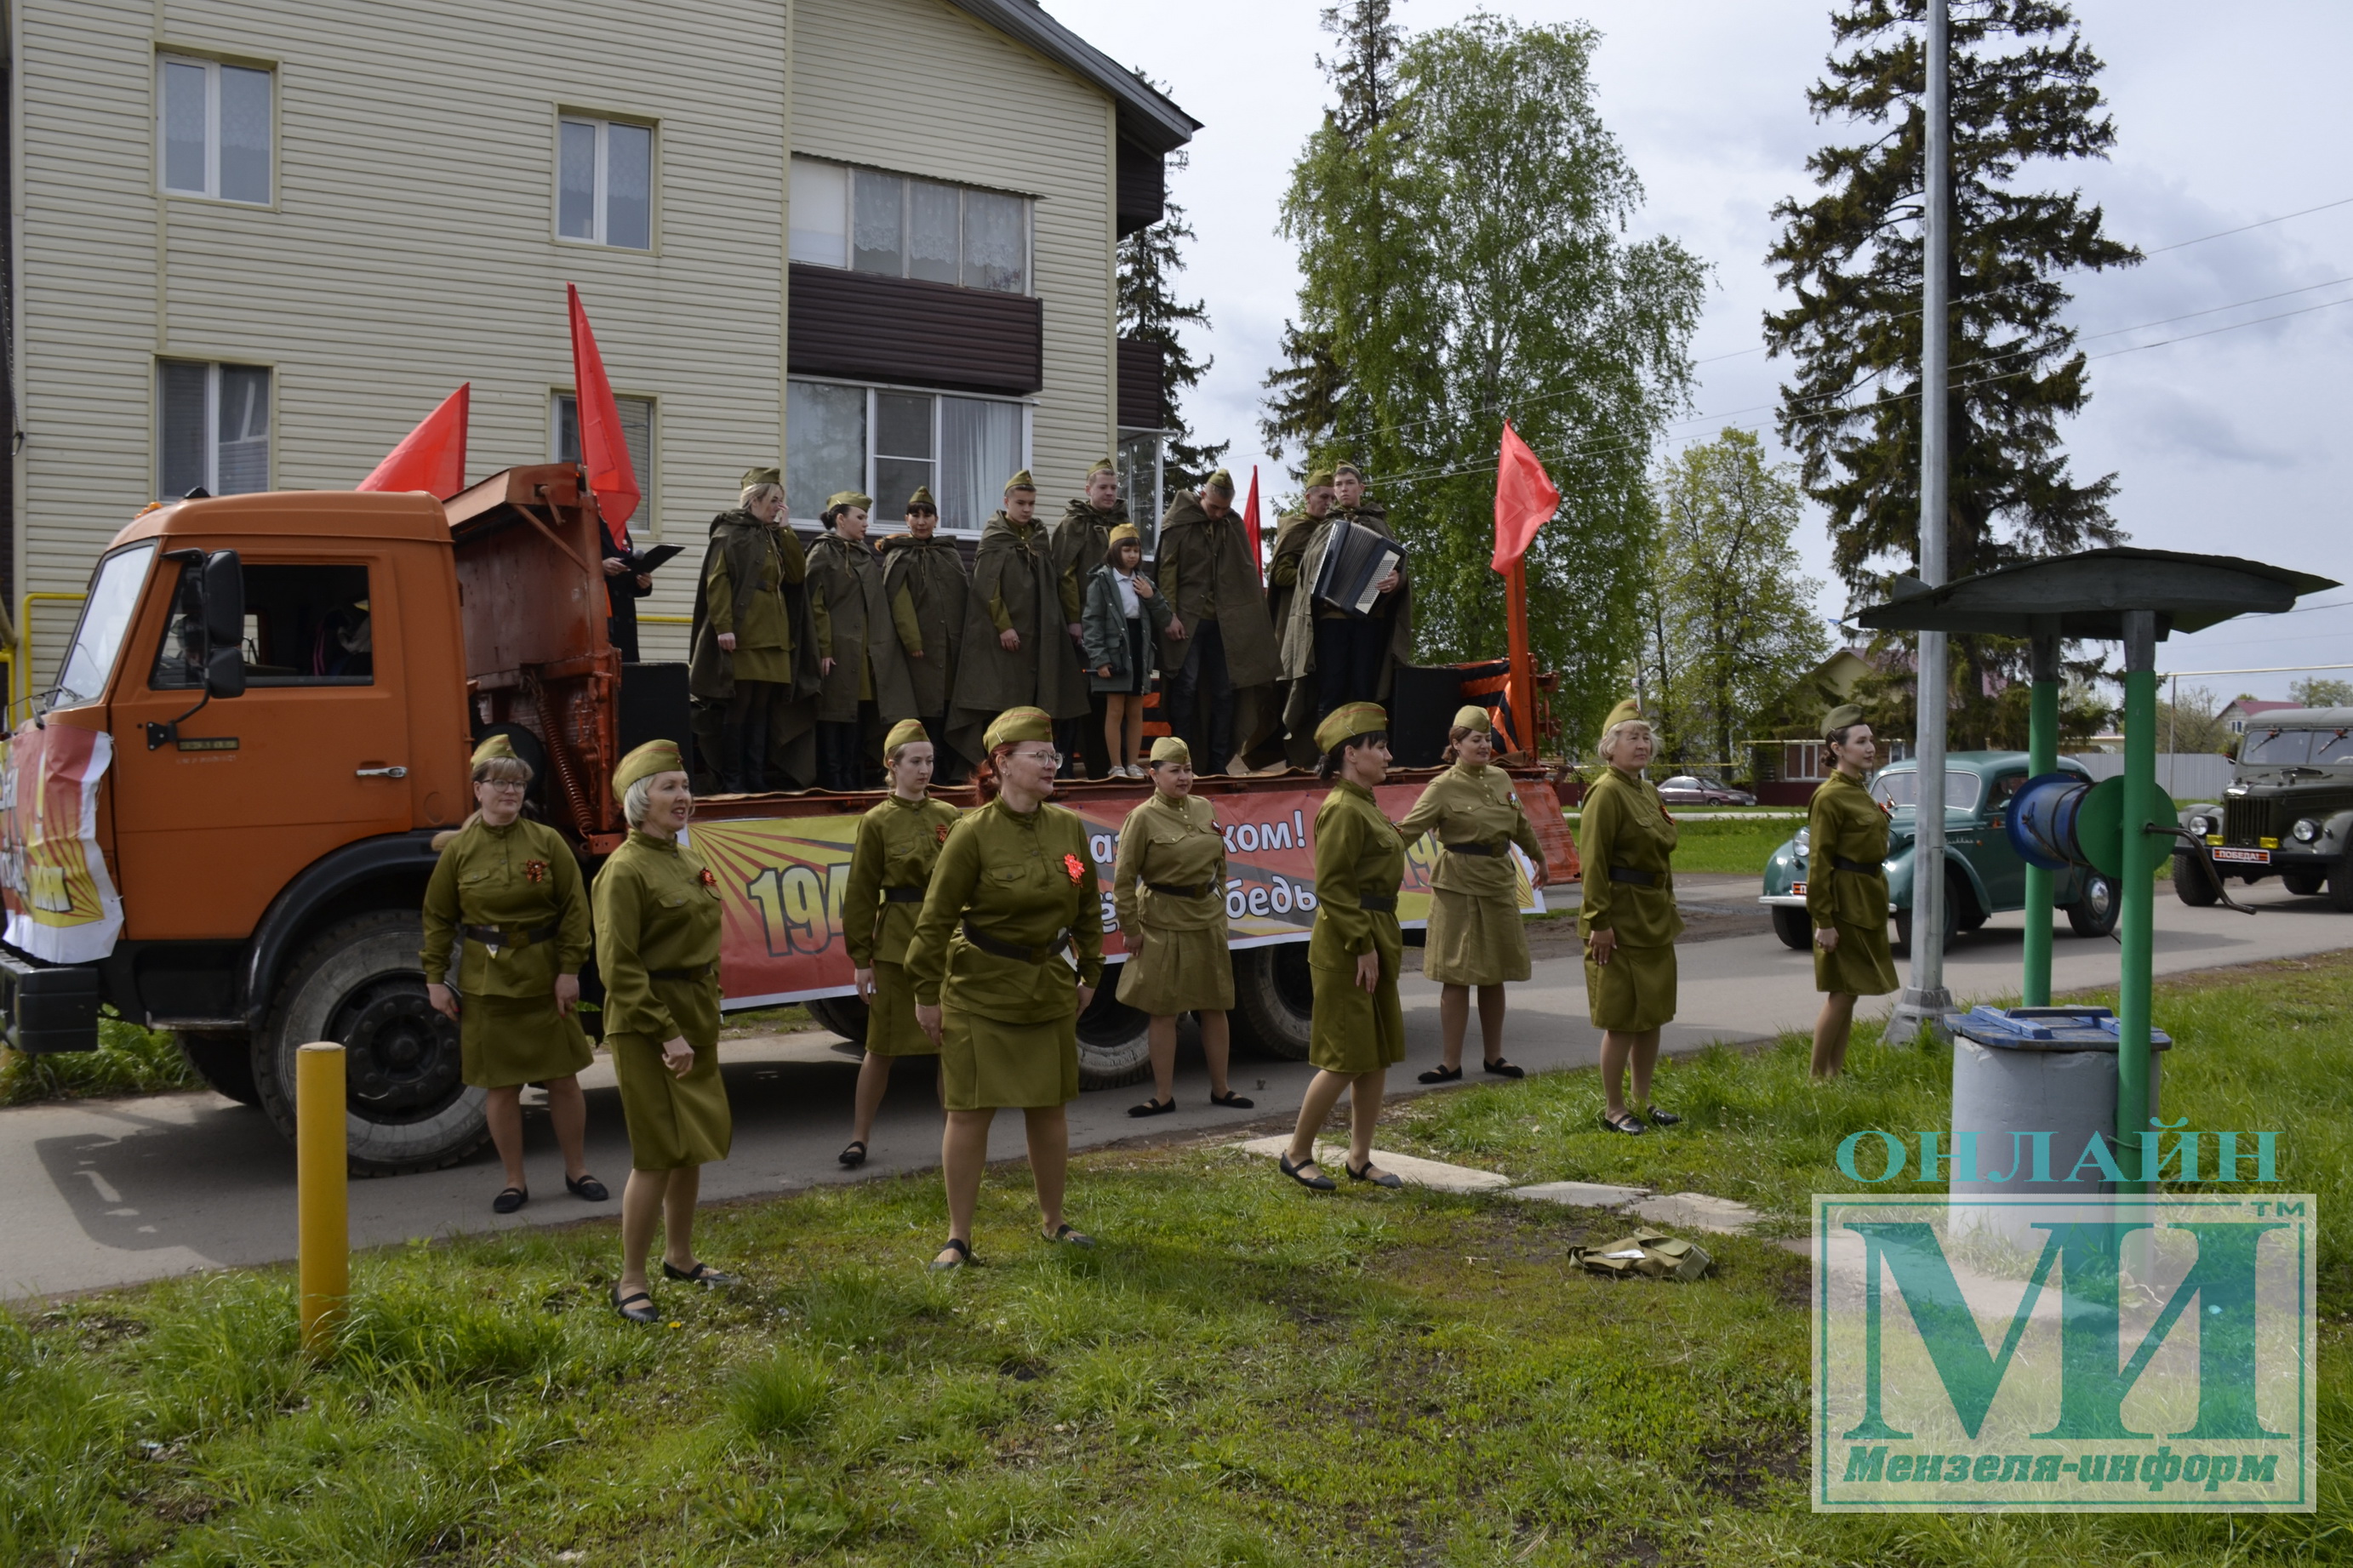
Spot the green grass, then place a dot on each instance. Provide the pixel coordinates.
(1733, 844)
(129, 1060)
(1242, 1373)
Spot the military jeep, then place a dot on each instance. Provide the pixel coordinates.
(2288, 812)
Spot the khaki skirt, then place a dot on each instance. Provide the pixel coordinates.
(891, 1026)
(674, 1121)
(988, 1064)
(1474, 940)
(503, 1041)
(1173, 971)
(1354, 1030)
(1861, 967)
(1634, 992)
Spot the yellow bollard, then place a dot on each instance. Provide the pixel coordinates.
(321, 1176)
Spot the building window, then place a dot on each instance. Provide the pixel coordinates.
(604, 182)
(885, 441)
(636, 429)
(1143, 479)
(212, 124)
(901, 226)
(214, 425)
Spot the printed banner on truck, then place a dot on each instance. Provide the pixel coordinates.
(783, 878)
(62, 906)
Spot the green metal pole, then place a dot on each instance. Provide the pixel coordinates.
(2042, 757)
(2138, 893)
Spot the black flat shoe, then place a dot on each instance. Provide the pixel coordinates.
(701, 1274)
(1630, 1125)
(854, 1155)
(1232, 1101)
(1440, 1075)
(629, 1305)
(1069, 1238)
(1154, 1108)
(587, 1188)
(1662, 1117)
(962, 1250)
(509, 1200)
(1319, 1182)
(1386, 1179)
(1503, 1069)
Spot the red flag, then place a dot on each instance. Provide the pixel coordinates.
(431, 458)
(1251, 523)
(1524, 500)
(604, 450)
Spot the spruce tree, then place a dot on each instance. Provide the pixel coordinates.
(2023, 87)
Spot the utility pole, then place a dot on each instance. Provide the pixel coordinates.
(1924, 1000)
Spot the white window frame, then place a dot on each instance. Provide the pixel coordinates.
(212, 69)
(881, 527)
(906, 214)
(600, 196)
(212, 441)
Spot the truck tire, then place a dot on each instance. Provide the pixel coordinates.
(2304, 884)
(2191, 885)
(1115, 1040)
(845, 1015)
(2093, 913)
(359, 983)
(224, 1062)
(2340, 886)
(1274, 1000)
(1794, 927)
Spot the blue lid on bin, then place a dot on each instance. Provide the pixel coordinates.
(2046, 1029)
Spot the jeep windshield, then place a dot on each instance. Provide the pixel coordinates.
(105, 619)
(1902, 791)
(2295, 748)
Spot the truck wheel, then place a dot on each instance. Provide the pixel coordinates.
(360, 983)
(1115, 1040)
(1794, 927)
(1274, 1000)
(2191, 885)
(2095, 913)
(2340, 886)
(845, 1015)
(224, 1062)
(2304, 883)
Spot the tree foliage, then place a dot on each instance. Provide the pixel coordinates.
(1730, 620)
(1464, 258)
(2023, 90)
(1150, 309)
(2320, 692)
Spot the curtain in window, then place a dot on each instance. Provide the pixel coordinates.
(245, 134)
(244, 463)
(877, 219)
(932, 232)
(180, 424)
(996, 242)
(826, 428)
(980, 448)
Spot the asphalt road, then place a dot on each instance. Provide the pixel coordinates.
(113, 1191)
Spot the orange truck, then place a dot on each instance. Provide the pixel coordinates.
(217, 822)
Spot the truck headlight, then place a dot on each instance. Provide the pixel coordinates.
(1804, 841)
(2305, 830)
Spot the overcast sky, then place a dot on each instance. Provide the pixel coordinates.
(2233, 443)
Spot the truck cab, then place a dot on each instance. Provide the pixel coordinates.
(2287, 813)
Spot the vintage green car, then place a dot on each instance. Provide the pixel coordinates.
(1983, 875)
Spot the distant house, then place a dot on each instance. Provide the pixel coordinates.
(2234, 718)
(1824, 687)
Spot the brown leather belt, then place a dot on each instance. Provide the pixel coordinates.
(703, 973)
(1003, 949)
(1862, 867)
(1179, 889)
(495, 938)
(1378, 903)
(1639, 878)
(903, 895)
(1470, 849)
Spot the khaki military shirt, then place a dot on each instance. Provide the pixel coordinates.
(1843, 823)
(657, 911)
(520, 878)
(1476, 806)
(1019, 880)
(1171, 841)
(898, 843)
(1624, 824)
(1358, 854)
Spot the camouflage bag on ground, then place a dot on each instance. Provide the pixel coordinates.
(1650, 1253)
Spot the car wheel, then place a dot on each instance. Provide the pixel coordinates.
(1900, 946)
(2304, 883)
(1794, 927)
(2191, 884)
(2095, 912)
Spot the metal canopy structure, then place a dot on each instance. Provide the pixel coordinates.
(2085, 596)
(2122, 594)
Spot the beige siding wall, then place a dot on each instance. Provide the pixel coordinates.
(919, 87)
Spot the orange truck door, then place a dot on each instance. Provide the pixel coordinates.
(314, 755)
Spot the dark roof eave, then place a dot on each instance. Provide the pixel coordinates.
(2086, 594)
(1152, 120)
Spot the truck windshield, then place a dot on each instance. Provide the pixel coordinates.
(2277, 748)
(105, 617)
(1901, 790)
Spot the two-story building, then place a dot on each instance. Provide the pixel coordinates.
(252, 242)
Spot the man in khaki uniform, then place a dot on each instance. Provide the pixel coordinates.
(1016, 651)
(1080, 542)
(1218, 641)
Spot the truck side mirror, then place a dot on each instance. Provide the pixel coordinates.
(222, 607)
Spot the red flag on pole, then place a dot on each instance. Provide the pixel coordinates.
(1251, 524)
(431, 458)
(1525, 497)
(604, 450)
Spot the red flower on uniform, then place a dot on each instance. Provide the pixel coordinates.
(706, 879)
(1074, 866)
(941, 832)
(534, 870)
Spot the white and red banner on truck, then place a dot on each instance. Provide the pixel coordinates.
(62, 905)
(782, 880)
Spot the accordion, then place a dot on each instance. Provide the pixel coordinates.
(1356, 561)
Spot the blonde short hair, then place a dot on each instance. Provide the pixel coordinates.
(1618, 731)
(758, 492)
(638, 799)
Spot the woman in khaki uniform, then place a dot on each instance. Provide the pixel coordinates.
(1355, 949)
(1629, 919)
(1169, 889)
(1475, 938)
(658, 951)
(512, 890)
(1846, 893)
(890, 866)
(1013, 893)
